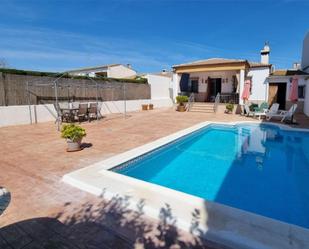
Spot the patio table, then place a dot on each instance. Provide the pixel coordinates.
(71, 111)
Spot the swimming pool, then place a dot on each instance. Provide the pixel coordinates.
(257, 168)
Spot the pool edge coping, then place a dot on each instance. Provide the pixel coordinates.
(93, 179)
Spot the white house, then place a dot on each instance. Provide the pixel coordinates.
(206, 78)
(111, 71)
(160, 87)
(279, 83)
(305, 68)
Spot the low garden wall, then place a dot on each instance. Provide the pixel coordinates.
(20, 114)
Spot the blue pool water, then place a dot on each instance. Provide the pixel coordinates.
(257, 168)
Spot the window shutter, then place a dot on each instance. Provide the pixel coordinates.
(184, 82)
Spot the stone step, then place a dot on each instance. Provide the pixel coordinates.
(203, 106)
(202, 111)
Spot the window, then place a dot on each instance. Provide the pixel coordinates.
(194, 85)
(301, 92)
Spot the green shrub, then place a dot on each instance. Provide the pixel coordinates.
(182, 99)
(73, 132)
(229, 107)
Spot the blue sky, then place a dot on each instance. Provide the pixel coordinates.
(151, 35)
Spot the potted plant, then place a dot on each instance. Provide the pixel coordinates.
(74, 135)
(229, 108)
(144, 107)
(181, 99)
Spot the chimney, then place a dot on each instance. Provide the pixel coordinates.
(296, 66)
(265, 54)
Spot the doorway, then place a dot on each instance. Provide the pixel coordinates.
(214, 87)
(277, 94)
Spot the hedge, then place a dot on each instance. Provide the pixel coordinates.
(52, 74)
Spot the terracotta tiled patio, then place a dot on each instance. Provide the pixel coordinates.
(46, 213)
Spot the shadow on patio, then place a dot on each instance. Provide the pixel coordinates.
(106, 225)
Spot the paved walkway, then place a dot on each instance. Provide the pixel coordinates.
(46, 213)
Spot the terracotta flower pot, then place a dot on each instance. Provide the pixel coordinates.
(181, 108)
(150, 106)
(73, 146)
(144, 107)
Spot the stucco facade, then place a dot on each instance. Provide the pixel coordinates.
(305, 67)
(120, 71)
(258, 81)
(302, 82)
(227, 75)
(111, 71)
(160, 86)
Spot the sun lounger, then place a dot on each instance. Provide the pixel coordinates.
(284, 115)
(254, 114)
(273, 110)
(262, 108)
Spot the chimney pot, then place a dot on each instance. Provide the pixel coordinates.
(265, 54)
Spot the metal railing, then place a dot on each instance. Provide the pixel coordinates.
(217, 101)
(226, 98)
(229, 98)
(190, 101)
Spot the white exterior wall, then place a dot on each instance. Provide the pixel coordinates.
(241, 84)
(176, 87)
(286, 79)
(306, 101)
(120, 71)
(159, 86)
(259, 86)
(305, 54)
(90, 73)
(18, 115)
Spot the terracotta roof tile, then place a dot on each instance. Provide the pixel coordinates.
(285, 72)
(210, 62)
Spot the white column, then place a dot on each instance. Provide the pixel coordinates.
(241, 85)
(306, 104)
(176, 79)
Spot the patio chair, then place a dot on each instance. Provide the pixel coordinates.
(64, 112)
(253, 113)
(273, 110)
(262, 108)
(82, 112)
(284, 115)
(93, 111)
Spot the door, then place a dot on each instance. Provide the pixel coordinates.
(277, 94)
(214, 87)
